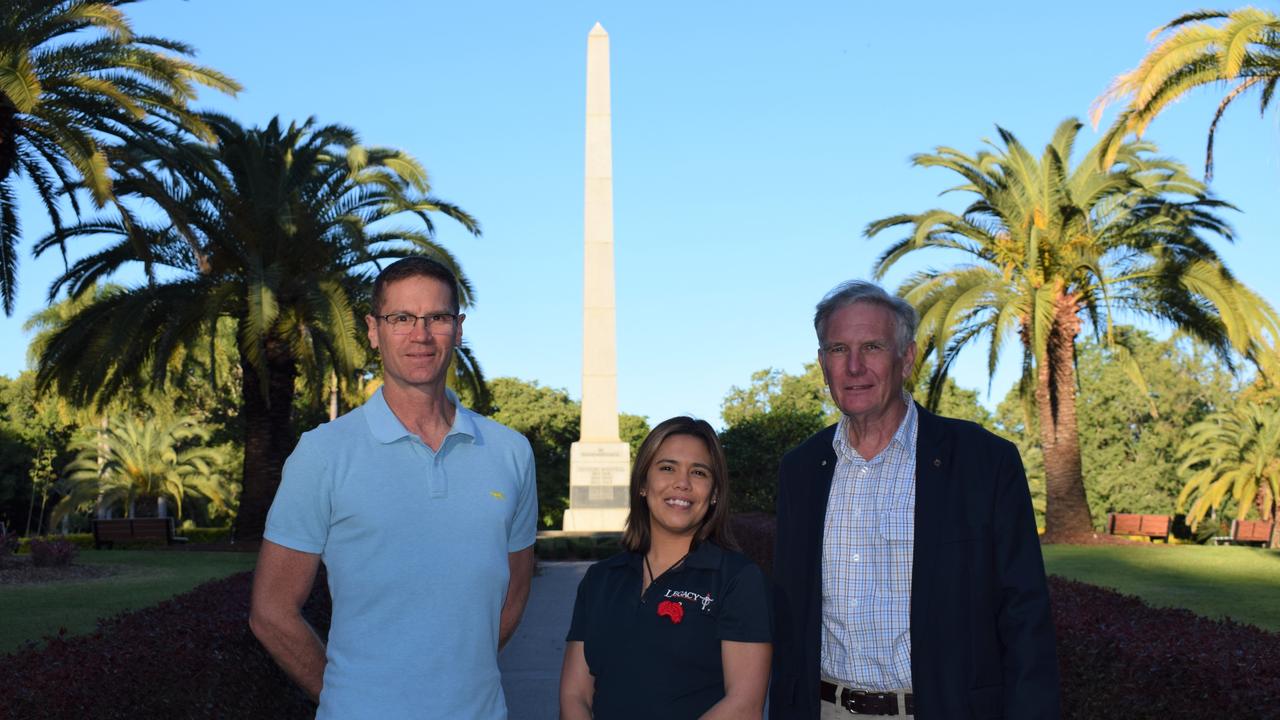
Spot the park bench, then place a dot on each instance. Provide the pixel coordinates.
(1152, 526)
(1248, 532)
(108, 532)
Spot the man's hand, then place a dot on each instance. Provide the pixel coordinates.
(281, 585)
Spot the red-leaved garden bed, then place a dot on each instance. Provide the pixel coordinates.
(189, 657)
(193, 657)
(1120, 658)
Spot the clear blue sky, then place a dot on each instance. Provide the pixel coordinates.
(752, 144)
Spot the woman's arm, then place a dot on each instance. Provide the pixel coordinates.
(577, 687)
(746, 678)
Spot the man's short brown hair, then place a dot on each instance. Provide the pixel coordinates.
(415, 266)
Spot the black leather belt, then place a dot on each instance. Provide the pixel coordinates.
(866, 703)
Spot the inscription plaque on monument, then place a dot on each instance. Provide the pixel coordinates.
(599, 475)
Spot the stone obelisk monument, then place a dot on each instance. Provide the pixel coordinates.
(599, 463)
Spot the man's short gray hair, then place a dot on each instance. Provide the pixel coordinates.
(849, 292)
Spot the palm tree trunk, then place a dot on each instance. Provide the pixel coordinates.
(333, 395)
(268, 440)
(31, 507)
(1272, 514)
(8, 146)
(1066, 507)
(101, 510)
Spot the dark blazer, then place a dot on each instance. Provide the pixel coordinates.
(982, 641)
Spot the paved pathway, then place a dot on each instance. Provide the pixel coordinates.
(531, 661)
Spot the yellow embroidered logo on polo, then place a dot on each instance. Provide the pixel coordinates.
(498, 494)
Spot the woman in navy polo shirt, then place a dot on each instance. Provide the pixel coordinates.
(678, 625)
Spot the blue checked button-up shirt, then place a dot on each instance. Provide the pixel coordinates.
(868, 540)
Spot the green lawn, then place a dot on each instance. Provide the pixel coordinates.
(34, 611)
(1242, 583)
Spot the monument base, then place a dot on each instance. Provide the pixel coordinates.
(599, 482)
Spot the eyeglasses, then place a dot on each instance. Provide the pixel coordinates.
(404, 323)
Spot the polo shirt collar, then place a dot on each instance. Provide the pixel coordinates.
(706, 555)
(387, 428)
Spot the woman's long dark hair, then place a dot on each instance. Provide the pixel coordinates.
(715, 524)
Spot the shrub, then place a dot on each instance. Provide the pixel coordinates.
(52, 552)
(8, 544)
(83, 541)
(596, 546)
(206, 536)
(755, 533)
(753, 448)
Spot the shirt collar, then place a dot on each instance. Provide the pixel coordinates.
(904, 436)
(387, 428)
(706, 555)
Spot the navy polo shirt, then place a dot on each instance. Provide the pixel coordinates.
(658, 655)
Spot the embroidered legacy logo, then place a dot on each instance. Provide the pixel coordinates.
(705, 600)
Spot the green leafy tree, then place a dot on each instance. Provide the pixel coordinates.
(198, 380)
(1243, 52)
(73, 76)
(15, 463)
(43, 476)
(145, 457)
(1129, 436)
(33, 429)
(1234, 453)
(778, 411)
(277, 229)
(550, 420)
(772, 389)
(1045, 250)
(753, 448)
(1014, 423)
(953, 401)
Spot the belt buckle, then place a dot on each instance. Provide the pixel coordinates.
(869, 703)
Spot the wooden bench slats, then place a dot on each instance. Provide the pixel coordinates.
(1153, 526)
(107, 532)
(1251, 531)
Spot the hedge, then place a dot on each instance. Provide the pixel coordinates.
(194, 657)
(597, 546)
(189, 657)
(82, 541)
(202, 535)
(1122, 658)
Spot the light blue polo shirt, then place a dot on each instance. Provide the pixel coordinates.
(416, 545)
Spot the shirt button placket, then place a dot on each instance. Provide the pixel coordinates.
(437, 479)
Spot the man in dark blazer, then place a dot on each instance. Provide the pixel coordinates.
(908, 575)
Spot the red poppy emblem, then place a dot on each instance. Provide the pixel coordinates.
(672, 610)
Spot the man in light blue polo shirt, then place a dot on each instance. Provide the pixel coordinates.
(424, 515)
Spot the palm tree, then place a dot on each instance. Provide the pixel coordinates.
(1047, 249)
(64, 93)
(1234, 451)
(1243, 52)
(279, 229)
(135, 457)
